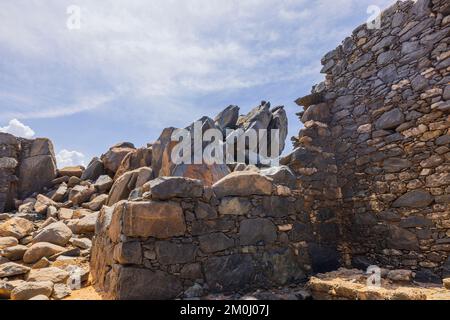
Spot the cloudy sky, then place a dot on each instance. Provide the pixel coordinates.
(135, 67)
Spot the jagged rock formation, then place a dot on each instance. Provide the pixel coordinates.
(26, 166)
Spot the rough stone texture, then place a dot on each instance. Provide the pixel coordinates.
(113, 158)
(244, 183)
(57, 233)
(373, 151)
(40, 250)
(16, 227)
(169, 248)
(175, 187)
(29, 290)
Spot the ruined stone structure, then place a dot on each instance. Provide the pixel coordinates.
(368, 183)
(377, 131)
(245, 232)
(26, 166)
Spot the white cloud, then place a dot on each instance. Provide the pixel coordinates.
(66, 158)
(17, 128)
(151, 49)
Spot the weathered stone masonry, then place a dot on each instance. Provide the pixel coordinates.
(246, 232)
(382, 115)
(372, 170)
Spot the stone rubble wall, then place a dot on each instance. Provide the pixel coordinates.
(201, 239)
(26, 167)
(382, 114)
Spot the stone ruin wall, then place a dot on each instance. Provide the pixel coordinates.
(377, 142)
(26, 167)
(187, 235)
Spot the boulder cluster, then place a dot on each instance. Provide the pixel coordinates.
(56, 210)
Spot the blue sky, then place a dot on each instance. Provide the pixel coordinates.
(138, 66)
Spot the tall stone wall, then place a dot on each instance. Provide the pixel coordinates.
(382, 115)
(26, 167)
(184, 240)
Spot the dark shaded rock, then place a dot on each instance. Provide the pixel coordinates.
(277, 207)
(402, 239)
(392, 165)
(205, 211)
(173, 253)
(323, 258)
(94, 170)
(414, 199)
(427, 276)
(136, 159)
(128, 252)
(415, 222)
(165, 188)
(301, 232)
(390, 120)
(215, 242)
(361, 262)
(281, 175)
(144, 284)
(253, 231)
(282, 266)
(230, 273)
(227, 118)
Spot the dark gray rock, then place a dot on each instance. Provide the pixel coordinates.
(254, 231)
(283, 267)
(230, 273)
(415, 222)
(173, 253)
(215, 242)
(402, 239)
(282, 175)
(390, 119)
(323, 258)
(228, 117)
(144, 284)
(414, 199)
(165, 188)
(392, 165)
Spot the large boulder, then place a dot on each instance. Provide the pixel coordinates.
(228, 118)
(165, 188)
(73, 171)
(103, 183)
(139, 284)
(38, 166)
(57, 233)
(14, 253)
(40, 250)
(94, 170)
(53, 274)
(123, 186)
(80, 194)
(153, 219)
(414, 199)
(113, 158)
(279, 122)
(136, 159)
(243, 183)
(11, 269)
(85, 225)
(28, 290)
(16, 227)
(6, 242)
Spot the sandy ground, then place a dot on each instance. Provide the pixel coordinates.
(87, 293)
